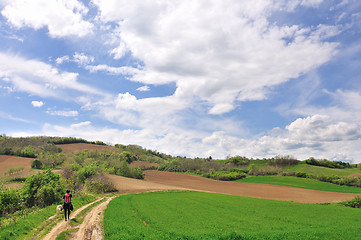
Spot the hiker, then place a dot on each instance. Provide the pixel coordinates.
(67, 204)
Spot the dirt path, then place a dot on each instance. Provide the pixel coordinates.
(64, 225)
(92, 228)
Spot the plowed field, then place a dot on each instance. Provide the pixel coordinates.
(266, 191)
(7, 162)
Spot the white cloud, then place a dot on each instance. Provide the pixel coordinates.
(303, 138)
(62, 59)
(82, 59)
(221, 52)
(39, 78)
(143, 89)
(37, 103)
(62, 18)
(69, 113)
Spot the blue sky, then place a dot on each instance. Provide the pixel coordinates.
(190, 78)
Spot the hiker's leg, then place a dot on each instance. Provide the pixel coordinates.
(68, 213)
(65, 213)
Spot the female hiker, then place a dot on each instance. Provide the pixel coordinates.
(67, 204)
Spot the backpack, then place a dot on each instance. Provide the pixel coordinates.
(67, 198)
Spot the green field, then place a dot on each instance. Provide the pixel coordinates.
(300, 183)
(317, 170)
(195, 215)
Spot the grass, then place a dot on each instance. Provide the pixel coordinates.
(196, 215)
(317, 170)
(36, 223)
(300, 183)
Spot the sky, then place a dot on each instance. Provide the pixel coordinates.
(193, 78)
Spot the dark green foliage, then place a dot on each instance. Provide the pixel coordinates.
(354, 203)
(327, 163)
(283, 161)
(238, 160)
(10, 201)
(43, 189)
(85, 172)
(99, 184)
(127, 171)
(37, 164)
(26, 147)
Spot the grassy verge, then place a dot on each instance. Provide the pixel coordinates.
(195, 215)
(38, 223)
(300, 183)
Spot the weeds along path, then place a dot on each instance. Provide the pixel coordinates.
(92, 228)
(64, 225)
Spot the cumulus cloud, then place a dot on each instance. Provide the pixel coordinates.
(303, 138)
(62, 18)
(62, 59)
(39, 78)
(37, 103)
(221, 52)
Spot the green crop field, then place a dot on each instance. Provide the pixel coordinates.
(300, 183)
(195, 215)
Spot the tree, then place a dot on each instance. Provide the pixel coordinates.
(43, 189)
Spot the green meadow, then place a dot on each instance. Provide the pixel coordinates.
(300, 183)
(196, 215)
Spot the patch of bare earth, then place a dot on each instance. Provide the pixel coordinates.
(64, 225)
(92, 228)
(131, 185)
(7, 162)
(78, 147)
(255, 190)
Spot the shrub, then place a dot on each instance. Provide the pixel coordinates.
(85, 173)
(238, 160)
(10, 201)
(327, 163)
(37, 164)
(127, 171)
(99, 184)
(43, 189)
(354, 203)
(283, 161)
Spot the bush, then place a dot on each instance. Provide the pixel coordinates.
(37, 164)
(85, 173)
(283, 161)
(238, 160)
(43, 189)
(99, 184)
(10, 201)
(127, 171)
(327, 163)
(354, 203)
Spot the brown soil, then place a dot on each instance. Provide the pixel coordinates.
(144, 165)
(130, 185)
(255, 190)
(92, 228)
(78, 147)
(7, 162)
